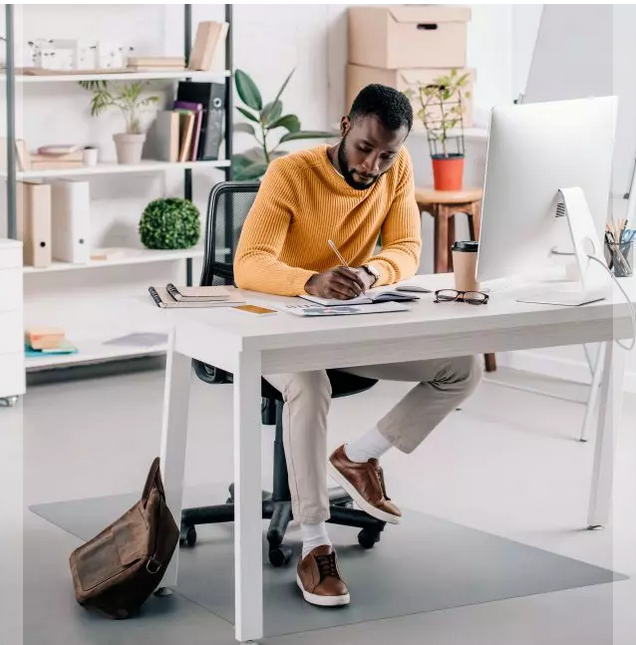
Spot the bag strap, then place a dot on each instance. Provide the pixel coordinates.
(153, 481)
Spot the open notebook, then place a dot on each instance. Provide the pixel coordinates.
(369, 298)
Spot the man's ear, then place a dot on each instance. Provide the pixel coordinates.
(345, 125)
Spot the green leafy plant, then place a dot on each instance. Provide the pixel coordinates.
(262, 119)
(171, 223)
(443, 108)
(126, 97)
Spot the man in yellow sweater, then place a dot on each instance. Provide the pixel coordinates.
(353, 193)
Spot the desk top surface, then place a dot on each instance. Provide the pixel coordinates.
(425, 317)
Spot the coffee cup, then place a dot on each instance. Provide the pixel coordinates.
(465, 265)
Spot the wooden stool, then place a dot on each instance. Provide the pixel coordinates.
(443, 205)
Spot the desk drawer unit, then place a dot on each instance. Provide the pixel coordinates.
(12, 376)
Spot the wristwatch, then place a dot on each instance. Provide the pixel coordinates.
(372, 271)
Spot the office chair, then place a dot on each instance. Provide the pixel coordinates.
(228, 206)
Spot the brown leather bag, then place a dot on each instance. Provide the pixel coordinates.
(117, 571)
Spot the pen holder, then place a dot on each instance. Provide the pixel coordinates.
(620, 258)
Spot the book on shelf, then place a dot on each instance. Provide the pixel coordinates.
(33, 219)
(22, 156)
(163, 299)
(212, 97)
(208, 42)
(106, 254)
(186, 129)
(57, 158)
(157, 62)
(197, 110)
(70, 221)
(163, 141)
(55, 164)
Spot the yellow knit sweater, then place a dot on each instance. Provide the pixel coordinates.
(303, 202)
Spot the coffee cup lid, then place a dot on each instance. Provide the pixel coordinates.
(468, 246)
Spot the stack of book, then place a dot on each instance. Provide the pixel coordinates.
(171, 297)
(155, 63)
(44, 341)
(193, 129)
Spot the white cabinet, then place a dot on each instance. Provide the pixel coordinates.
(12, 378)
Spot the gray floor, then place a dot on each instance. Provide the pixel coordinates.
(507, 464)
(425, 564)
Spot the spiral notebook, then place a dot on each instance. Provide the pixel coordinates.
(164, 300)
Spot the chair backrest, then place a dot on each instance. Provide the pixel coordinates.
(229, 203)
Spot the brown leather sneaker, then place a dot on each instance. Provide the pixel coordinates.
(365, 483)
(319, 579)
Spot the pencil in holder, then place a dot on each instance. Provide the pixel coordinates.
(620, 258)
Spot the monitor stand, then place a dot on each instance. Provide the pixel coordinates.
(583, 280)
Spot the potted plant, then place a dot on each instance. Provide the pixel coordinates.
(128, 98)
(442, 114)
(262, 120)
(170, 223)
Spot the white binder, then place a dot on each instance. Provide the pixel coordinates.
(70, 215)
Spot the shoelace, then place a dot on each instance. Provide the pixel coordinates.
(327, 565)
(380, 473)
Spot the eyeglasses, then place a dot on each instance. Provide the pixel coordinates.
(470, 297)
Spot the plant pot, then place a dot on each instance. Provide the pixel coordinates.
(129, 147)
(448, 172)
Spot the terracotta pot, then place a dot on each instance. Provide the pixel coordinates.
(448, 172)
(129, 147)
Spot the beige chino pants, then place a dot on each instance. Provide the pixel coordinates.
(442, 384)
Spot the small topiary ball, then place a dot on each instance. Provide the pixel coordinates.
(171, 223)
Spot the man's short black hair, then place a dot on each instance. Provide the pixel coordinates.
(390, 106)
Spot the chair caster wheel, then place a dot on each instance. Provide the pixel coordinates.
(188, 536)
(367, 538)
(280, 555)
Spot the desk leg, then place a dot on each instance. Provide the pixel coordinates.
(608, 425)
(248, 559)
(173, 441)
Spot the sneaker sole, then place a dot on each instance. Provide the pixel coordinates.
(322, 601)
(338, 477)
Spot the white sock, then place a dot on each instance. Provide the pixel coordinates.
(371, 445)
(314, 535)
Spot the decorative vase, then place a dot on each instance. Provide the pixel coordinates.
(448, 172)
(129, 147)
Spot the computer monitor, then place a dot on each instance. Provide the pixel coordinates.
(547, 189)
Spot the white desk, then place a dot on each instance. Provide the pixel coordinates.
(249, 346)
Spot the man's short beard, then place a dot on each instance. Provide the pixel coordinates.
(343, 162)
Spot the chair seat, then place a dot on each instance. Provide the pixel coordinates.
(342, 384)
(424, 196)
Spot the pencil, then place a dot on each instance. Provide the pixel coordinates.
(335, 250)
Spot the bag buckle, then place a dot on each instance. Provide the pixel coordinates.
(153, 566)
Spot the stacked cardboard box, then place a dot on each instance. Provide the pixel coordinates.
(407, 46)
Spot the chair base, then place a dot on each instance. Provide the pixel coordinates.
(280, 515)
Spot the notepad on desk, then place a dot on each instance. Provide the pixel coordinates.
(316, 311)
(369, 298)
(164, 300)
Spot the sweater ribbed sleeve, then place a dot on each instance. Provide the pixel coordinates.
(257, 265)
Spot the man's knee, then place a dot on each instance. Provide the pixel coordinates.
(312, 389)
(468, 371)
(463, 371)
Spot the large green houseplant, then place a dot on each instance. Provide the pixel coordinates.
(442, 113)
(262, 120)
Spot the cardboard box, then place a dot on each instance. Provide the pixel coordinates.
(404, 79)
(408, 36)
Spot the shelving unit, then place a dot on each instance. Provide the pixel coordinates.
(119, 169)
(124, 76)
(92, 350)
(129, 256)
